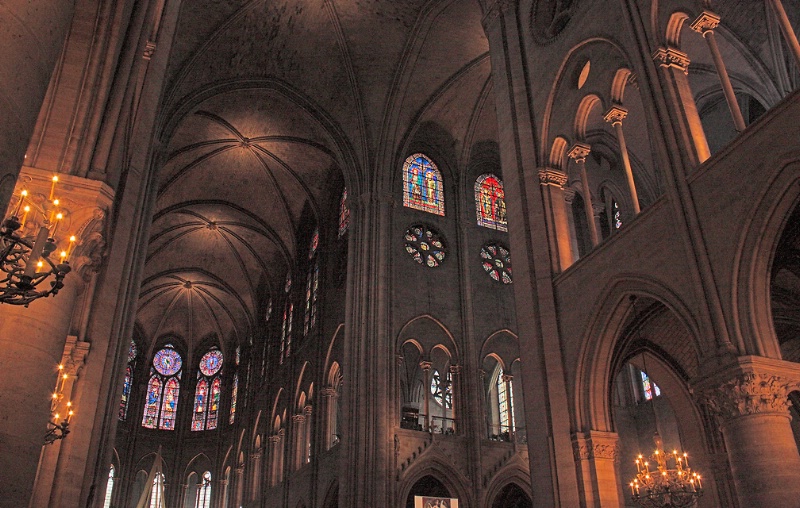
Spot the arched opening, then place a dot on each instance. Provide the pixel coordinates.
(512, 496)
(715, 115)
(427, 486)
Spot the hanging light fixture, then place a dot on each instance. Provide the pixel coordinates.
(25, 260)
(60, 413)
(669, 482)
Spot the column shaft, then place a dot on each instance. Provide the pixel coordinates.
(787, 30)
(725, 80)
(626, 162)
(587, 204)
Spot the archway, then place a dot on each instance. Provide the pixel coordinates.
(512, 496)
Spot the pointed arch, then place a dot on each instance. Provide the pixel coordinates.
(423, 188)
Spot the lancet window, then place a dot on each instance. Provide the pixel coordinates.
(163, 389)
(650, 390)
(109, 487)
(157, 494)
(235, 389)
(286, 326)
(207, 392)
(312, 284)
(490, 202)
(344, 214)
(422, 185)
(203, 499)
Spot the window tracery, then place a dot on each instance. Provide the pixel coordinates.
(496, 261)
(424, 245)
(163, 389)
(442, 389)
(235, 389)
(344, 214)
(207, 393)
(312, 284)
(109, 487)
(203, 499)
(286, 326)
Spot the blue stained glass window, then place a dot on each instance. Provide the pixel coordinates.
(163, 390)
(490, 202)
(650, 389)
(312, 285)
(211, 362)
(127, 382)
(207, 392)
(422, 185)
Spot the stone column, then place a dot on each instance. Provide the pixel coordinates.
(255, 464)
(786, 29)
(32, 338)
(307, 445)
(615, 116)
(426, 390)
(239, 484)
(458, 395)
(596, 458)
(297, 439)
(705, 24)
(578, 153)
(329, 396)
(552, 182)
(675, 66)
(750, 400)
(32, 33)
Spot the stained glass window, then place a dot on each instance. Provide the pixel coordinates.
(169, 407)
(127, 382)
(288, 286)
(496, 261)
(207, 391)
(268, 312)
(204, 492)
(422, 185)
(109, 488)
(442, 389)
(344, 214)
(424, 245)
(163, 389)
(312, 285)
(490, 202)
(649, 388)
(234, 393)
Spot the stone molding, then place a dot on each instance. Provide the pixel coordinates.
(149, 50)
(671, 57)
(752, 385)
(615, 115)
(569, 195)
(595, 445)
(554, 177)
(74, 356)
(706, 22)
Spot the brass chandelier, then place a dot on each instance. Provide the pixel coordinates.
(25, 260)
(672, 484)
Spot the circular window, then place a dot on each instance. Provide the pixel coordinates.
(211, 362)
(167, 362)
(424, 245)
(496, 260)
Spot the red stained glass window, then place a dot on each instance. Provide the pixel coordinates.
(490, 202)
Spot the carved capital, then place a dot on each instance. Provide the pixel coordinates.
(597, 209)
(554, 177)
(455, 370)
(307, 411)
(671, 57)
(329, 391)
(424, 365)
(579, 152)
(494, 10)
(507, 378)
(752, 385)
(256, 456)
(706, 22)
(615, 115)
(275, 438)
(298, 419)
(749, 393)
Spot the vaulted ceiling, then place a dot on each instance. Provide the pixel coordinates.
(267, 105)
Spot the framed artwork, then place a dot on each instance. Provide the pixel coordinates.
(435, 502)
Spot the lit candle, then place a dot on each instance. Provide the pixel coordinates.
(69, 415)
(22, 196)
(69, 248)
(25, 217)
(59, 216)
(686, 458)
(633, 491)
(36, 252)
(53, 187)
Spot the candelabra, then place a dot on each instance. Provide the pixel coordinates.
(25, 260)
(667, 486)
(58, 425)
